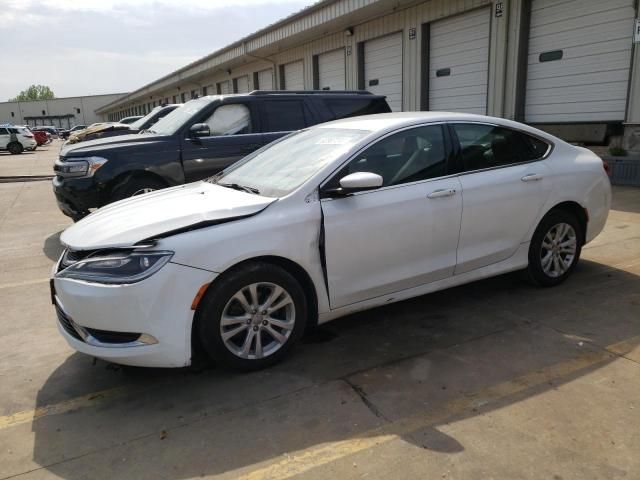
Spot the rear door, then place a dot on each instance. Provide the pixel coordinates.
(4, 137)
(505, 183)
(234, 134)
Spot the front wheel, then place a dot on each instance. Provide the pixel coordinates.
(252, 317)
(134, 187)
(555, 249)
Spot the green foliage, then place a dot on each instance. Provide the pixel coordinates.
(34, 92)
(617, 152)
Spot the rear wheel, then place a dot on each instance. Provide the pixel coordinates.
(252, 317)
(555, 248)
(15, 148)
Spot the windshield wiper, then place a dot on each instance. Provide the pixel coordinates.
(242, 188)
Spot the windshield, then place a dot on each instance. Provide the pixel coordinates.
(176, 119)
(137, 125)
(280, 168)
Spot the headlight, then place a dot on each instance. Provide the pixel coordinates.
(118, 267)
(78, 167)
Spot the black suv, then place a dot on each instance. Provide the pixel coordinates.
(193, 142)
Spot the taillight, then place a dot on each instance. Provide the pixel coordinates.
(605, 165)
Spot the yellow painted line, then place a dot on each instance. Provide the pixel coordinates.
(77, 403)
(303, 461)
(24, 283)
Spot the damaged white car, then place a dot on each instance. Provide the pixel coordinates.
(338, 218)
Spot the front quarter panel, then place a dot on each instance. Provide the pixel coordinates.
(288, 228)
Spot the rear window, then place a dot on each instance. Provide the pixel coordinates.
(285, 115)
(353, 107)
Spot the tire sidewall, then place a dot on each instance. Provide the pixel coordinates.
(209, 313)
(535, 270)
(15, 148)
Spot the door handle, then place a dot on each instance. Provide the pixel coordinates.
(447, 192)
(531, 177)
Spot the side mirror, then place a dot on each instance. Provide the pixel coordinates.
(355, 182)
(200, 130)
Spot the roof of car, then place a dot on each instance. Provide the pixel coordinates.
(391, 121)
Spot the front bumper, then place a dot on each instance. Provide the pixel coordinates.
(158, 307)
(75, 196)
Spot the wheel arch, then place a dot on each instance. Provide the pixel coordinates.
(124, 177)
(575, 209)
(295, 269)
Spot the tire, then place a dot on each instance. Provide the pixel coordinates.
(15, 148)
(555, 249)
(288, 321)
(135, 186)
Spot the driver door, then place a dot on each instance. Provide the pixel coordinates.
(233, 136)
(401, 235)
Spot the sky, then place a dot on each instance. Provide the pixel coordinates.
(89, 47)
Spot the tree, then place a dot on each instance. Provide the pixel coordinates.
(34, 92)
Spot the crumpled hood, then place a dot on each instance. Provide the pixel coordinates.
(124, 223)
(102, 127)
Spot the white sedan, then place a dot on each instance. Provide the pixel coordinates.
(341, 217)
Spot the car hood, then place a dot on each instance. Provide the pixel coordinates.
(101, 144)
(176, 209)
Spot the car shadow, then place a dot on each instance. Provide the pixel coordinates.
(52, 247)
(355, 378)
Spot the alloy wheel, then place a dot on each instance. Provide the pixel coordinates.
(258, 320)
(558, 251)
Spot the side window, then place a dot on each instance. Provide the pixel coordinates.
(231, 119)
(408, 156)
(4, 131)
(285, 115)
(487, 146)
(353, 107)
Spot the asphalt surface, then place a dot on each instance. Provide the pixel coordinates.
(496, 379)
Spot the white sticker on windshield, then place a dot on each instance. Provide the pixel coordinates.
(334, 140)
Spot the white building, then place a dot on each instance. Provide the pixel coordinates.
(568, 66)
(59, 112)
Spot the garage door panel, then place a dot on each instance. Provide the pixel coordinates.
(265, 79)
(567, 11)
(590, 80)
(592, 36)
(383, 64)
(331, 70)
(454, 56)
(294, 76)
(584, 50)
(612, 91)
(460, 44)
(242, 84)
(578, 66)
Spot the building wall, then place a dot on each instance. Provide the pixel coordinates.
(61, 112)
(325, 29)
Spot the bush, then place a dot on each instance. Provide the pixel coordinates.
(617, 152)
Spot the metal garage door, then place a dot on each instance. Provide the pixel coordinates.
(294, 76)
(459, 63)
(331, 67)
(265, 79)
(242, 84)
(579, 57)
(224, 87)
(383, 68)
